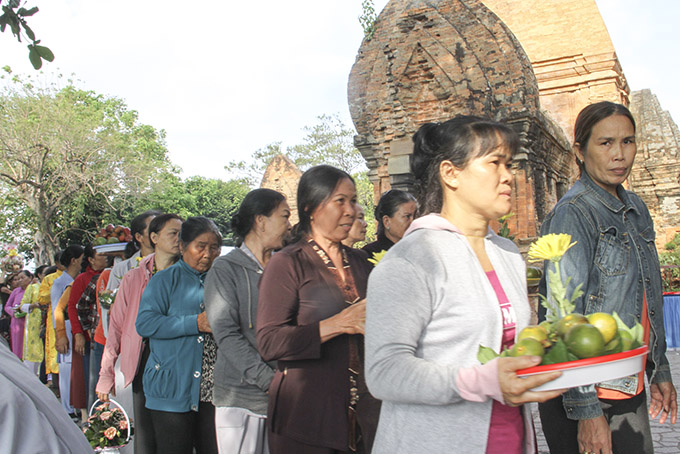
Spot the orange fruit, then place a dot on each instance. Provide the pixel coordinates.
(566, 322)
(534, 273)
(584, 341)
(605, 323)
(533, 332)
(527, 347)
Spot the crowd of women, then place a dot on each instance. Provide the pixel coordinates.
(273, 347)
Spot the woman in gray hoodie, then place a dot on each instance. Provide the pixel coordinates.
(241, 376)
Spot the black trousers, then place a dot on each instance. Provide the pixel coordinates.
(144, 437)
(628, 421)
(180, 433)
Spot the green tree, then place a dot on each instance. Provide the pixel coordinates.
(70, 155)
(15, 17)
(196, 196)
(368, 18)
(329, 141)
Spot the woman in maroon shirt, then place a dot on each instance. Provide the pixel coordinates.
(311, 314)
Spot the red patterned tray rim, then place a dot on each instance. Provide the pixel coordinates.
(584, 362)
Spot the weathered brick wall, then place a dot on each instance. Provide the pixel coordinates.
(656, 173)
(430, 61)
(283, 175)
(571, 53)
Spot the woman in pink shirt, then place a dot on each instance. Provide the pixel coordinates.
(123, 339)
(19, 282)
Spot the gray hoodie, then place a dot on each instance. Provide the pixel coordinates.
(242, 377)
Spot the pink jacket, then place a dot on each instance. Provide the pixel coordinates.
(123, 339)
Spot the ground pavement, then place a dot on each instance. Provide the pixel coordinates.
(666, 437)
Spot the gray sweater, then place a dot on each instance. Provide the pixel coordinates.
(429, 307)
(242, 377)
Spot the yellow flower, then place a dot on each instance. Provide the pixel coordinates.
(550, 247)
(12, 252)
(377, 256)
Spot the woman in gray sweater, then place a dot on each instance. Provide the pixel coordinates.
(241, 376)
(448, 286)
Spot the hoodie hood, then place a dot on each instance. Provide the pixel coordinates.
(147, 262)
(434, 221)
(238, 257)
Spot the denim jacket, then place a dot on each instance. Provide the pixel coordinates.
(616, 260)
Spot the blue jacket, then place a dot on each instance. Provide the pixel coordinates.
(167, 317)
(616, 260)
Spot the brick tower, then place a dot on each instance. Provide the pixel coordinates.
(429, 61)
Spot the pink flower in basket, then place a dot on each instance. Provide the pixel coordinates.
(102, 407)
(110, 433)
(106, 415)
(123, 425)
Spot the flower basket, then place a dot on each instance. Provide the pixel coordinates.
(107, 429)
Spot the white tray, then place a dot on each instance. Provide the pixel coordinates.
(591, 370)
(111, 247)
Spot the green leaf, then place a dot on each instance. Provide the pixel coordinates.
(637, 332)
(620, 324)
(485, 354)
(34, 57)
(28, 31)
(45, 53)
(557, 354)
(27, 12)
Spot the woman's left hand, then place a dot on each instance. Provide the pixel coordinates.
(203, 323)
(516, 390)
(663, 401)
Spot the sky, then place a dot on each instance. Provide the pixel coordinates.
(225, 78)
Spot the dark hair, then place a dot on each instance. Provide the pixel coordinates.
(315, 187)
(137, 225)
(389, 204)
(88, 253)
(57, 255)
(72, 252)
(196, 226)
(50, 269)
(157, 224)
(258, 202)
(26, 273)
(590, 116)
(40, 269)
(457, 140)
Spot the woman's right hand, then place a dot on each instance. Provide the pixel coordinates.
(61, 344)
(516, 390)
(104, 397)
(351, 320)
(203, 323)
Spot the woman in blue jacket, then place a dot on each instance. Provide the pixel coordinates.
(172, 317)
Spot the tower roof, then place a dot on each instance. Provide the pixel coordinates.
(430, 60)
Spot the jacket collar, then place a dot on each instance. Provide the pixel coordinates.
(184, 266)
(612, 203)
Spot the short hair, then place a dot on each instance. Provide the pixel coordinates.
(196, 226)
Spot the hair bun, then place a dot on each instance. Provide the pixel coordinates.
(425, 148)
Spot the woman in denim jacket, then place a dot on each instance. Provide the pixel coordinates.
(615, 258)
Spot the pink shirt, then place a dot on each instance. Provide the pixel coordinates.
(506, 431)
(122, 338)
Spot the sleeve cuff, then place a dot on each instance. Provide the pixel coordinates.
(479, 383)
(191, 325)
